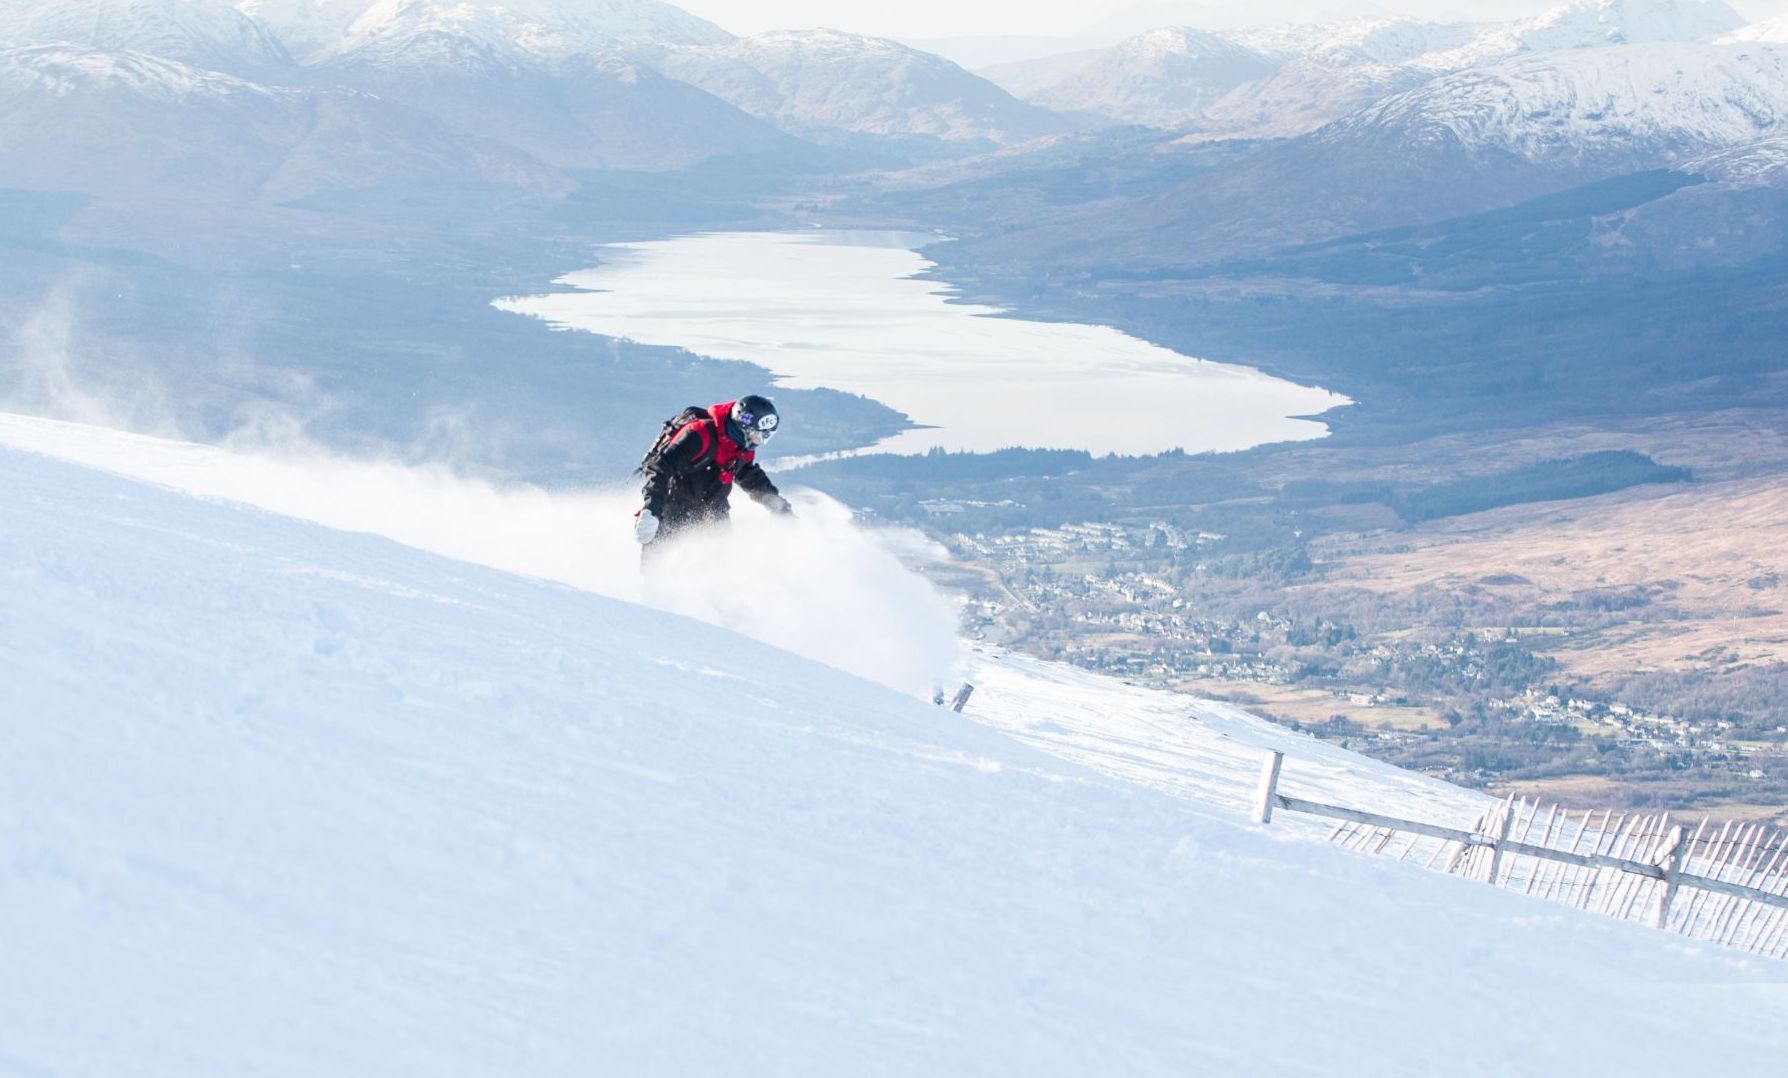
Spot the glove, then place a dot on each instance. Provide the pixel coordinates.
(781, 507)
(645, 526)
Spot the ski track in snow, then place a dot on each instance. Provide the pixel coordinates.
(279, 799)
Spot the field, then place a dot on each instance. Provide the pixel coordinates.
(1700, 571)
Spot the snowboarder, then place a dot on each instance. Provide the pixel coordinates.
(690, 471)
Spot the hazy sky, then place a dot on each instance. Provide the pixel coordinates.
(1100, 18)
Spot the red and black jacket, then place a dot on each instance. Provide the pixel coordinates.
(692, 476)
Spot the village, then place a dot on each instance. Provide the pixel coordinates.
(1124, 600)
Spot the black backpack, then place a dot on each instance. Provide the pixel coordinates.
(669, 431)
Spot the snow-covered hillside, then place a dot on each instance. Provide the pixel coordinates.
(550, 29)
(1772, 31)
(285, 800)
(1315, 74)
(207, 34)
(305, 26)
(820, 83)
(1634, 106)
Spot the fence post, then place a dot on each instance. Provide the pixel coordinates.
(1670, 860)
(1502, 836)
(1269, 786)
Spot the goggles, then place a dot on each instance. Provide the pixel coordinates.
(758, 428)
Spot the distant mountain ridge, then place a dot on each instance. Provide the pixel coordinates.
(823, 83)
(553, 30)
(1455, 145)
(169, 130)
(207, 34)
(1321, 73)
(1163, 77)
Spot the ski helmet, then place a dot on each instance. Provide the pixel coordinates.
(753, 420)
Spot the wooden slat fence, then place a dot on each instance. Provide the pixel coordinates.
(1725, 883)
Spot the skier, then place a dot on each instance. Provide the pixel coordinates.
(690, 471)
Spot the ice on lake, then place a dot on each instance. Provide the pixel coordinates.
(850, 311)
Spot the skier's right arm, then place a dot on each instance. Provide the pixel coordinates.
(682, 455)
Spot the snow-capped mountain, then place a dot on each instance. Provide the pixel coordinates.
(1594, 23)
(1315, 74)
(1763, 163)
(1627, 108)
(553, 30)
(1358, 41)
(1590, 24)
(1456, 146)
(824, 84)
(571, 108)
(123, 123)
(1769, 31)
(208, 34)
(1160, 78)
(305, 26)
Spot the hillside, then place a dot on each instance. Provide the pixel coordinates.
(318, 802)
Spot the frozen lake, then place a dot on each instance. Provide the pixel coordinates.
(847, 311)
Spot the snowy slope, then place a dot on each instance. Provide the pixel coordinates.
(819, 83)
(553, 30)
(1355, 64)
(1767, 30)
(305, 26)
(208, 34)
(1763, 163)
(1638, 106)
(314, 802)
(1590, 24)
(1315, 74)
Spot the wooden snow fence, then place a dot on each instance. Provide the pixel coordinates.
(1724, 883)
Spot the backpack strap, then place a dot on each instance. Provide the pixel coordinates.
(667, 433)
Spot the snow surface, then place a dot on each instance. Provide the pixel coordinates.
(281, 799)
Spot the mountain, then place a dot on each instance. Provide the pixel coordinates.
(1611, 109)
(314, 796)
(123, 123)
(1025, 78)
(579, 110)
(1591, 24)
(1358, 41)
(1770, 31)
(1302, 77)
(553, 30)
(1456, 145)
(1160, 78)
(305, 26)
(207, 34)
(829, 86)
(1763, 163)
(1332, 74)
